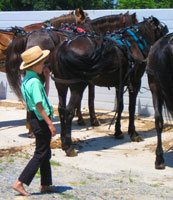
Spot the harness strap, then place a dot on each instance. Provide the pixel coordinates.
(50, 35)
(66, 81)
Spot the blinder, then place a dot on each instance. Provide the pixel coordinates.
(162, 27)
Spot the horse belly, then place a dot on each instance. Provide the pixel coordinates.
(106, 80)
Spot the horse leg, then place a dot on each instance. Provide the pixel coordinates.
(157, 103)
(91, 95)
(120, 105)
(159, 163)
(62, 94)
(30, 133)
(76, 96)
(132, 107)
(80, 120)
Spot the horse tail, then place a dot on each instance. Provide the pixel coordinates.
(13, 61)
(73, 65)
(164, 75)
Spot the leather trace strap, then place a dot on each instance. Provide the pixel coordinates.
(66, 81)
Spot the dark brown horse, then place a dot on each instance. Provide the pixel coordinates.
(160, 79)
(6, 36)
(77, 17)
(47, 39)
(115, 61)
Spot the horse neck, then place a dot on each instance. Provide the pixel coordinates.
(58, 21)
(110, 23)
(5, 38)
(32, 27)
(147, 33)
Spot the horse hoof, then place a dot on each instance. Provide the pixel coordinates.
(119, 137)
(161, 166)
(81, 123)
(136, 139)
(31, 134)
(71, 152)
(95, 123)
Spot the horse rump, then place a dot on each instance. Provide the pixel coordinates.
(160, 62)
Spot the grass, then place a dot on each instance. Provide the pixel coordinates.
(10, 159)
(2, 168)
(76, 183)
(83, 182)
(73, 183)
(19, 156)
(89, 177)
(54, 163)
(38, 175)
(130, 178)
(27, 155)
(68, 196)
(155, 185)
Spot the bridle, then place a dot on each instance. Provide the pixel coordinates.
(161, 27)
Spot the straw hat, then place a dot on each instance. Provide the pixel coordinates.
(32, 56)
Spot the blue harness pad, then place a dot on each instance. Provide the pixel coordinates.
(137, 39)
(119, 40)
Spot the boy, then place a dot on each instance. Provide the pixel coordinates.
(41, 110)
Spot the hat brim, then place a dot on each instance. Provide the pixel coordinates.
(25, 66)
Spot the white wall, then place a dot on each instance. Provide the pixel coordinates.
(104, 97)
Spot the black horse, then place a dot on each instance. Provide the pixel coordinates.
(101, 26)
(113, 61)
(160, 79)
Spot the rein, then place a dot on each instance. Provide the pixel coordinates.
(66, 81)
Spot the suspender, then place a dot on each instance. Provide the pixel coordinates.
(42, 92)
(26, 92)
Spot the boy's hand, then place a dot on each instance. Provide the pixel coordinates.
(52, 130)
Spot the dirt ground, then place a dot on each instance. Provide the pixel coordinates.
(96, 146)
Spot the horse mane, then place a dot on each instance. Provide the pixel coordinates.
(58, 21)
(112, 22)
(78, 17)
(8, 32)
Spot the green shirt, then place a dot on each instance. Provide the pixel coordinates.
(33, 92)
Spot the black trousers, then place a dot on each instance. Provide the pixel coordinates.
(42, 154)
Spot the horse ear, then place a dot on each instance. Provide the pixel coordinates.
(134, 17)
(79, 11)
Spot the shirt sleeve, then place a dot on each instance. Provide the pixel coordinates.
(37, 95)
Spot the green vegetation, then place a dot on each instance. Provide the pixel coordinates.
(38, 175)
(54, 163)
(23, 5)
(137, 4)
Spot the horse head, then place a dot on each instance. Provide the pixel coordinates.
(81, 16)
(159, 28)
